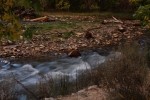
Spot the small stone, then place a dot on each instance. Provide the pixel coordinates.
(104, 22)
(18, 50)
(37, 49)
(13, 57)
(129, 37)
(78, 34)
(115, 35)
(26, 42)
(121, 29)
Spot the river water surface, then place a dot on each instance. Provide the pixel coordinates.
(30, 73)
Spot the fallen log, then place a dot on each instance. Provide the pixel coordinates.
(40, 19)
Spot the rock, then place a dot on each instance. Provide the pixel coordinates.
(78, 34)
(121, 29)
(88, 35)
(13, 57)
(74, 53)
(104, 22)
(129, 37)
(115, 35)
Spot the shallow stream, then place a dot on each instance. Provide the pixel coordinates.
(30, 73)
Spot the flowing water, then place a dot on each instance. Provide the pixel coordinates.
(29, 74)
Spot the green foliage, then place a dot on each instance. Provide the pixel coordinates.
(143, 13)
(67, 34)
(9, 25)
(28, 34)
(82, 5)
(62, 4)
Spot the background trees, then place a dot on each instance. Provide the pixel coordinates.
(10, 26)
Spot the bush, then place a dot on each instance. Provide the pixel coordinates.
(143, 13)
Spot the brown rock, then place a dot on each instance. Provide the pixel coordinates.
(89, 35)
(74, 53)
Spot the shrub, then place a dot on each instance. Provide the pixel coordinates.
(143, 13)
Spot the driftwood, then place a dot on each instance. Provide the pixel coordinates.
(114, 20)
(40, 19)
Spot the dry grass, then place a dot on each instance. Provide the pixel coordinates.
(127, 76)
(7, 90)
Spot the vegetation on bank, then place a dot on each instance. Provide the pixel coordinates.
(143, 13)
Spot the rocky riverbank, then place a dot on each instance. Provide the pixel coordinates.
(86, 34)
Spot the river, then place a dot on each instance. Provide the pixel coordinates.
(29, 74)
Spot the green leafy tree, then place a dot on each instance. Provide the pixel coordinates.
(9, 25)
